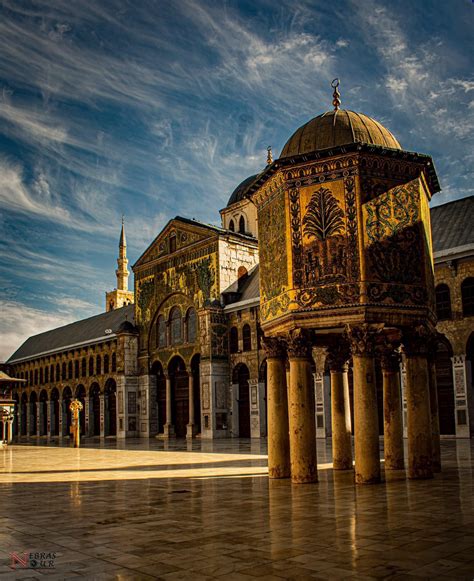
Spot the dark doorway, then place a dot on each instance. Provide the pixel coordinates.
(43, 413)
(24, 412)
(110, 401)
(196, 371)
(94, 405)
(241, 376)
(33, 413)
(179, 396)
(67, 398)
(81, 396)
(55, 412)
(445, 385)
(157, 370)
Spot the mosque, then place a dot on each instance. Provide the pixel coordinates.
(329, 303)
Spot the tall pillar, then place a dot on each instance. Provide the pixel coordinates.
(337, 359)
(415, 346)
(366, 424)
(61, 417)
(102, 414)
(191, 427)
(49, 403)
(301, 410)
(277, 409)
(87, 413)
(39, 413)
(168, 428)
(392, 410)
(434, 410)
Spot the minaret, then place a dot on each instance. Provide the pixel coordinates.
(120, 296)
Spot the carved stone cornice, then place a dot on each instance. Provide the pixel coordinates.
(416, 340)
(338, 355)
(299, 344)
(274, 347)
(362, 339)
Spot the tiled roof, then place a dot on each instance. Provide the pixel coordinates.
(79, 332)
(452, 224)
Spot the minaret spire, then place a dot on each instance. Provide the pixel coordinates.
(122, 261)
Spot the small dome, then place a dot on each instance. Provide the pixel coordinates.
(338, 128)
(240, 191)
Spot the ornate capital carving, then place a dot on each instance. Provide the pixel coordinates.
(416, 340)
(299, 344)
(362, 339)
(274, 347)
(389, 354)
(338, 355)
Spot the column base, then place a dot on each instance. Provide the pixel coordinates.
(191, 431)
(168, 431)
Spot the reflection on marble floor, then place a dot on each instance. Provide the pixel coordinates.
(149, 509)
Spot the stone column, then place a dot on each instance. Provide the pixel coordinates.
(435, 431)
(61, 418)
(337, 359)
(49, 403)
(39, 413)
(301, 410)
(168, 428)
(277, 409)
(191, 427)
(102, 414)
(415, 346)
(392, 410)
(87, 413)
(366, 424)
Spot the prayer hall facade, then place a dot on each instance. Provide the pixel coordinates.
(330, 302)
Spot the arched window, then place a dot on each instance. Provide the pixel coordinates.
(69, 370)
(161, 331)
(232, 226)
(41, 375)
(176, 326)
(247, 338)
(234, 340)
(91, 366)
(172, 243)
(242, 225)
(98, 365)
(114, 362)
(76, 368)
(192, 325)
(106, 363)
(467, 293)
(83, 367)
(36, 377)
(58, 371)
(443, 302)
(64, 371)
(51, 373)
(46, 374)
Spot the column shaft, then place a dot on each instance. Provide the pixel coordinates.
(435, 432)
(341, 420)
(277, 412)
(393, 423)
(191, 397)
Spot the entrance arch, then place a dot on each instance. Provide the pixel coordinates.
(81, 396)
(110, 404)
(33, 413)
(43, 413)
(94, 409)
(67, 397)
(55, 412)
(445, 387)
(179, 395)
(196, 371)
(157, 370)
(240, 377)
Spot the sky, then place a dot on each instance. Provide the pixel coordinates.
(153, 108)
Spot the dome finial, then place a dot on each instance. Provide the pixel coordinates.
(336, 96)
(269, 155)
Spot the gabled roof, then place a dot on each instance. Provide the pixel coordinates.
(89, 330)
(244, 290)
(452, 224)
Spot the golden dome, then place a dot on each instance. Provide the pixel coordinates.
(335, 128)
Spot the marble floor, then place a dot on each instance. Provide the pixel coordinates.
(206, 510)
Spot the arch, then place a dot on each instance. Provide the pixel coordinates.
(445, 387)
(41, 377)
(67, 397)
(33, 412)
(80, 394)
(176, 326)
(179, 395)
(58, 372)
(157, 370)
(114, 362)
(467, 294)
(46, 374)
(110, 407)
(240, 378)
(191, 325)
(241, 225)
(94, 409)
(247, 337)
(54, 427)
(234, 340)
(232, 226)
(91, 366)
(51, 373)
(83, 367)
(64, 371)
(106, 363)
(196, 371)
(69, 370)
(443, 302)
(36, 377)
(43, 413)
(98, 365)
(76, 369)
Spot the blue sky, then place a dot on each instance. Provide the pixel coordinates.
(154, 108)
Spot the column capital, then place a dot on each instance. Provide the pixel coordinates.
(338, 355)
(274, 347)
(299, 344)
(389, 353)
(416, 340)
(363, 339)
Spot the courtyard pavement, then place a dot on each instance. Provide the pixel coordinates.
(206, 510)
